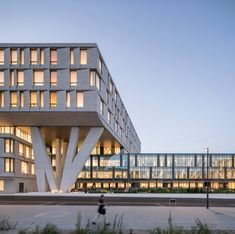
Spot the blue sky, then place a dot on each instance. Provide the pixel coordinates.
(173, 62)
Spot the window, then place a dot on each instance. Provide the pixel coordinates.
(1, 78)
(12, 78)
(21, 56)
(22, 99)
(41, 99)
(38, 78)
(20, 78)
(53, 56)
(21, 149)
(32, 169)
(41, 56)
(1, 56)
(13, 56)
(100, 65)
(8, 146)
(8, 165)
(13, 96)
(27, 152)
(33, 99)
(83, 56)
(68, 99)
(80, 99)
(97, 82)
(109, 117)
(53, 78)
(94, 80)
(53, 99)
(1, 185)
(1, 99)
(73, 78)
(33, 56)
(72, 56)
(24, 167)
(101, 107)
(110, 85)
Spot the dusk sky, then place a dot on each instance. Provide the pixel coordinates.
(173, 62)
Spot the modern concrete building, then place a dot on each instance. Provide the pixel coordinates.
(64, 126)
(58, 105)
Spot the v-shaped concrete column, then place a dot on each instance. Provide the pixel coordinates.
(71, 164)
(44, 171)
(74, 164)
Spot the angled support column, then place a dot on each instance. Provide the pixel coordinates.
(74, 164)
(44, 171)
(58, 162)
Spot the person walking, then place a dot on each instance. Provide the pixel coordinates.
(101, 211)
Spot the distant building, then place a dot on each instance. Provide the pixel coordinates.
(58, 105)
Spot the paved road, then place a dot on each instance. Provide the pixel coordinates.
(113, 201)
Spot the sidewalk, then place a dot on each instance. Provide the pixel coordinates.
(135, 218)
(167, 195)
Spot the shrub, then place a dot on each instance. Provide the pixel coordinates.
(6, 224)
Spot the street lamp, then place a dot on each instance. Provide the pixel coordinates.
(207, 178)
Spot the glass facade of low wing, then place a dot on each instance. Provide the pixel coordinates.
(149, 171)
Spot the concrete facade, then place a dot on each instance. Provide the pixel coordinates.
(49, 90)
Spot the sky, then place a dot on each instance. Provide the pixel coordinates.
(173, 62)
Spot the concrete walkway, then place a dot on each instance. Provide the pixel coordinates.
(166, 195)
(135, 218)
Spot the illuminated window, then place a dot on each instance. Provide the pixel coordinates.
(33, 99)
(27, 152)
(41, 56)
(1, 99)
(20, 78)
(1, 185)
(53, 99)
(101, 107)
(1, 78)
(33, 56)
(13, 56)
(71, 56)
(41, 99)
(8, 146)
(94, 80)
(53, 56)
(53, 78)
(73, 78)
(97, 82)
(80, 99)
(32, 169)
(38, 78)
(83, 56)
(1, 56)
(24, 167)
(21, 56)
(100, 65)
(109, 117)
(68, 99)
(12, 78)
(21, 149)
(8, 165)
(13, 101)
(22, 99)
